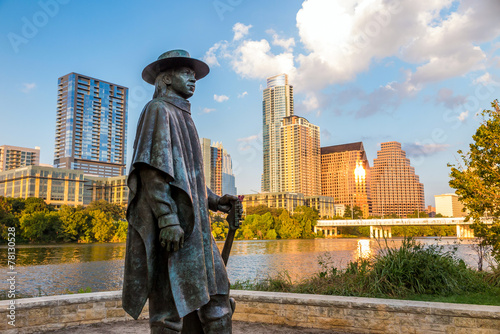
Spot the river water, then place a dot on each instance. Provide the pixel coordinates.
(67, 268)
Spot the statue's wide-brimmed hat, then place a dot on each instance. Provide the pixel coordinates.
(172, 59)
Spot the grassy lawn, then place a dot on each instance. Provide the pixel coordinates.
(491, 297)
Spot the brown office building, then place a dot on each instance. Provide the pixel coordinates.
(345, 175)
(395, 188)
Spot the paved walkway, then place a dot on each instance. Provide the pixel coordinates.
(142, 326)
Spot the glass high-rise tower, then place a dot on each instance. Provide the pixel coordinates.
(277, 104)
(91, 125)
(218, 168)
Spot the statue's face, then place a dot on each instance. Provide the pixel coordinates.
(182, 82)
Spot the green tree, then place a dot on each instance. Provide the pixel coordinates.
(115, 211)
(41, 226)
(263, 209)
(219, 230)
(307, 218)
(477, 179)
(219, 225)
(34, 204)
(7, 219)
(357, 214)
(17, 205)
(103, 227)
(418, 214)
(75, 222)
(289, 228)
(256, 226)
(121, 228)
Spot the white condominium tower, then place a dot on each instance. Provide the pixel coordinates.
(277, 104)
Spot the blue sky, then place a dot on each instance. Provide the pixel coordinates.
(416, 72)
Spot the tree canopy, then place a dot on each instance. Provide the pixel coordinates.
(476, 179)
(36, 221)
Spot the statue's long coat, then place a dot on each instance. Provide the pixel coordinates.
(167, 140)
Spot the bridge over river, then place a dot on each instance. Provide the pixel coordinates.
(380, 228)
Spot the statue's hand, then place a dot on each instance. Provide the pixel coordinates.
(224, 204)
(172, 237)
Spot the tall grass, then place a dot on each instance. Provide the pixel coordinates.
(409, 270)
(415, 269)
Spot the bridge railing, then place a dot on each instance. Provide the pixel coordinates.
(396, 222)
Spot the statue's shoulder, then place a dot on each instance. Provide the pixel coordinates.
(158, 105)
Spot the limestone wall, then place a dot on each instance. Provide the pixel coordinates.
(349, 314)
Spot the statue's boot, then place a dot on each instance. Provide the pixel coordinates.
(166, 327)
(233, 304)
(163, 330)
(219, 326)
(215, 316)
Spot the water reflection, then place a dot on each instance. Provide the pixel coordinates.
(66, 253)
(364, 249)
(57, 269)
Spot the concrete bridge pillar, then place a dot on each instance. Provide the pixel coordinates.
(380, 232)
(328, 231)
(464, 232)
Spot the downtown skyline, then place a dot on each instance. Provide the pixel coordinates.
(416, 79)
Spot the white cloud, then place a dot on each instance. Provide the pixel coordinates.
(242, 95)
(287, 44)
(208, 110)
(28, 87)
(210, 57)
(463, 115)
(326, 134)
(484, 79)
(311, 102)
(254, 59)
(220, 98)
(435, 39)
(240, 30)
(249, 139)
(445, 96)
(418, 149)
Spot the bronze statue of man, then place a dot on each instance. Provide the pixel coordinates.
(171, 256)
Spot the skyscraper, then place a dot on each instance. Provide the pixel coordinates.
(91, 125)
(218, 168)
(345, 174)
(300, 156)
(277, 103)
(15, 157)
(449, 206)
(395, 188)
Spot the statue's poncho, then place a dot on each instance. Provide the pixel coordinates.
(167, 140)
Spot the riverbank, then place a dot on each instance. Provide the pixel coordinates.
(412, 271)
(328, 313)
(62, 269)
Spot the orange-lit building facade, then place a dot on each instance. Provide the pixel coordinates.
(218, 168)
(345, 175)
(300, 157)
(395, 188)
